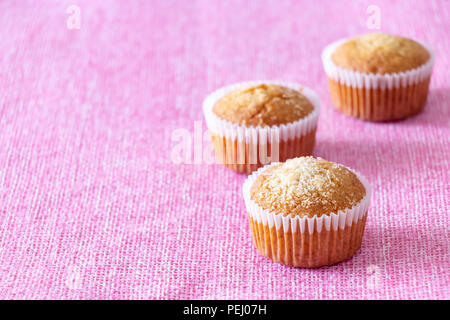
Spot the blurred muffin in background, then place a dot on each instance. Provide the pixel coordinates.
(378, 77)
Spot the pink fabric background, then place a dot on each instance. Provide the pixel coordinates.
(91, 205)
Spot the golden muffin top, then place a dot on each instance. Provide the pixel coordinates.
(263, 105)
(380, 53)
(307, 186)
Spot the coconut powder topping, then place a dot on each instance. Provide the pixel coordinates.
(307, 186)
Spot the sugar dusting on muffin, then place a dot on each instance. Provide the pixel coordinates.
(263, 105)
(380, 53)
(307, 186)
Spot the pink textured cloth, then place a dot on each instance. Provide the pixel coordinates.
(91, 204)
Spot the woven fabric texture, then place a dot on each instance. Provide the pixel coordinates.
(92, 204)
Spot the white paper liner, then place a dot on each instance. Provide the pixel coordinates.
(373, 81)
(289, 222)
(261, 135)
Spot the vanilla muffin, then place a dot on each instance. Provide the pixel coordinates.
(255, 123)
(307, 212)
(378, 77)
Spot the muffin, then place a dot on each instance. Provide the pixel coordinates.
(307, 212)
(378, 77)
(255, 123)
